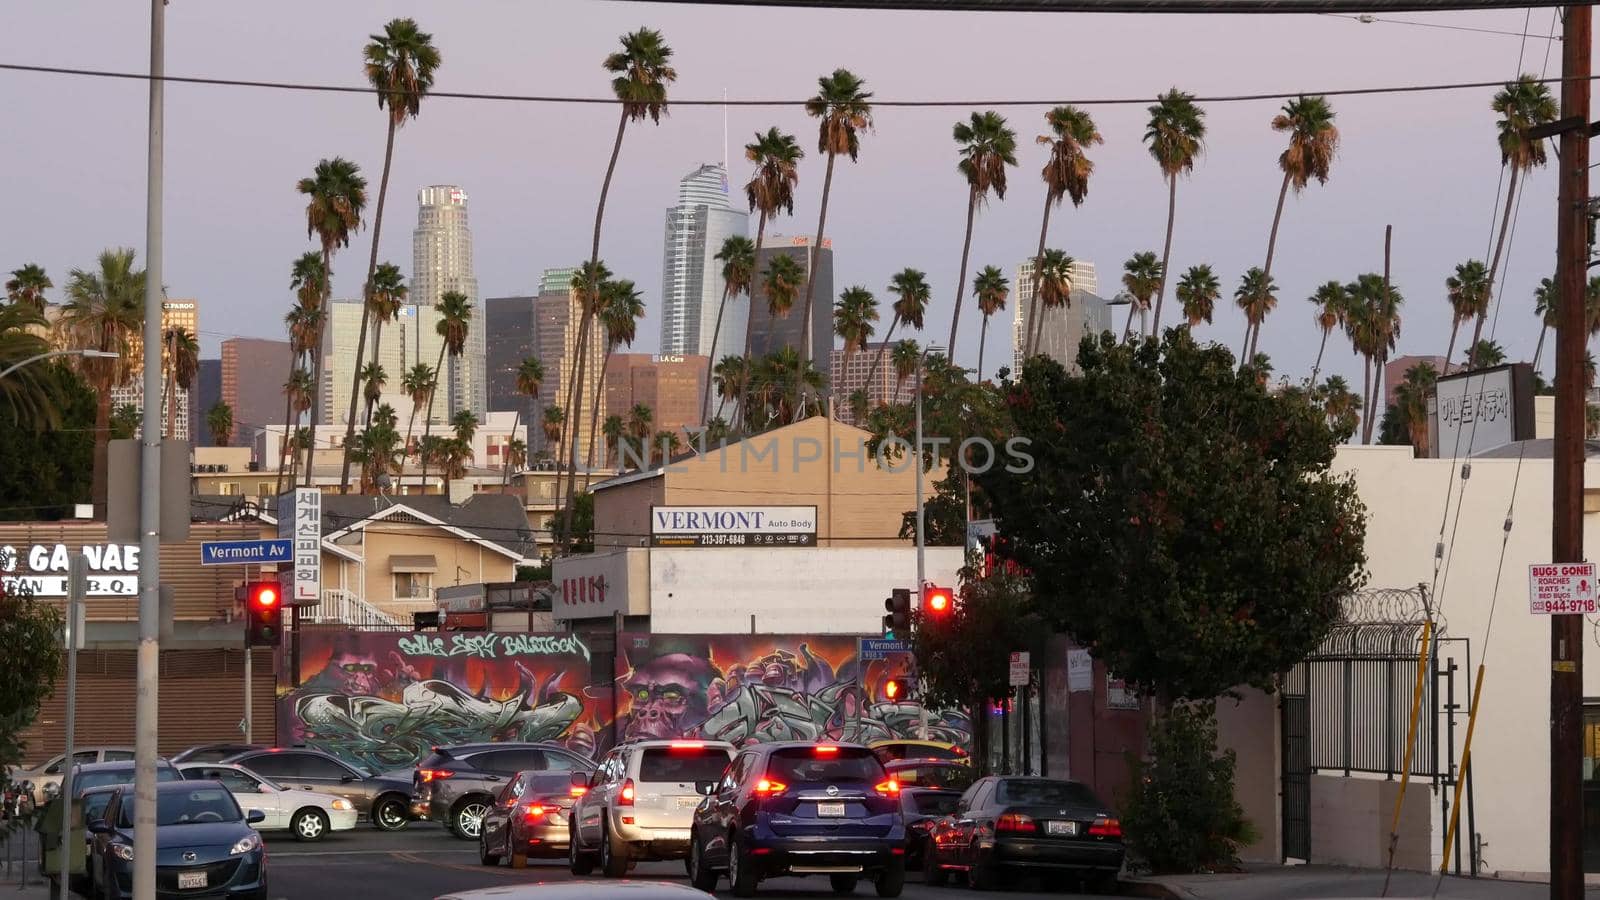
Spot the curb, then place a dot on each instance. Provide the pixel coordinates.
(1155, 890)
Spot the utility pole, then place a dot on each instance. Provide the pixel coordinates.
(146, 709)
(922, 540)
(1566, 631)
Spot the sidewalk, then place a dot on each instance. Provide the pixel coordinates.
(19, 868)
(1325, 882)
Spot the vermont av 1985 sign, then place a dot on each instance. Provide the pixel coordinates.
(41, 569)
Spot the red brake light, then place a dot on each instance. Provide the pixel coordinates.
(536, 811)
(1015, 822)
(435, 774)
(767, 787)
(626, 797)
(687, 745)
(890, 788)
(826, 749)
(1106, 828)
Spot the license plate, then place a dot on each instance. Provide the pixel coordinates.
(833, 810)
(189, 880)
(1066, 828)
(688, 802)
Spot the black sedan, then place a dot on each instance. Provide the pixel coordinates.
(923, 808)
(204, 845)
(1003, 826)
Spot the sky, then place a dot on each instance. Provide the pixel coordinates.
(72, 160)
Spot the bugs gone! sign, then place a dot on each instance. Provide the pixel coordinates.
(1561, 588)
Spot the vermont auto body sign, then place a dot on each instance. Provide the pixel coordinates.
(41, 569)
(733, 526)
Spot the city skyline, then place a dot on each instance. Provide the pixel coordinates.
(441, 261)
(691, 276)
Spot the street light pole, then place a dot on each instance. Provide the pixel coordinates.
(922, 537)
(92, 354)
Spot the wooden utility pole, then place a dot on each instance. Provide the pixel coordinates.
(1566, 631)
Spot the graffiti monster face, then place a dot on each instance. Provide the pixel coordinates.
(669, 696)
(355, 674)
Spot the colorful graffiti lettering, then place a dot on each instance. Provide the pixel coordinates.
(492, 646)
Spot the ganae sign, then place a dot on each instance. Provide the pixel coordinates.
(41, 569)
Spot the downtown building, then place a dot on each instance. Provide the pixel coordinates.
(253, 373)
(557, 317)
(341, 334)
(846, 375)
(509, 338)
(441, 260)
(769, 332)
(1061, 329)
(691, 275)
(183, 314)
(673, 387)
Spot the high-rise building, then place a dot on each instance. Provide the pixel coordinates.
(441, 260)
(768, 332)
(672, 386)
(509, 339)
(207, 393)
(183, 314)
(691, 275)
(558, 315)
(341, 333)
(253, 373)
(845, 377)
(1062, 329)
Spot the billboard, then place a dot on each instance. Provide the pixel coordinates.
(733, 526)
(1480, 410)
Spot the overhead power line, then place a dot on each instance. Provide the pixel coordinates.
(1367, 19)
(612, 101)
(1138, 6)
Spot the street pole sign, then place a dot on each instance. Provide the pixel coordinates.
(244, 553)
(1021, 670)
(876, 649)
(1562, 589)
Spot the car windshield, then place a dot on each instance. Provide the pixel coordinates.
(931, 774)
(682, 764)
(935, 803)
(820, 765)
(94, 806)
(919, 751)
(197, 805)
(547, 783)
(1046, 793)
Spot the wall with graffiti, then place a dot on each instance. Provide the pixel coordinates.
(382, 700)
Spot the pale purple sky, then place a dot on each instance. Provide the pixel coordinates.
(73, 158)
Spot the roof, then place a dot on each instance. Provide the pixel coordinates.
(805, 424)
(1539, 448)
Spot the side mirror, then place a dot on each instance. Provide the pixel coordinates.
(580, 779)
(99, 826)
(346, 779)
(255, 816)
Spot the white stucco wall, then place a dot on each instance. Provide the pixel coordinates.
(1405, 501)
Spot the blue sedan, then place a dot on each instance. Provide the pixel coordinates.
(206, 845)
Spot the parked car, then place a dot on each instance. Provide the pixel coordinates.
(205, 844)
(48, 773)
(910, 749)
(86, 779)
(801, 809)
(307, 815)
(381, 800)
(923, 808)
(456, 785)
(580, 890)
(529, 817)
(90, 805)
(1004, 825)
(952, 775)
(641, 803)
(210, 753)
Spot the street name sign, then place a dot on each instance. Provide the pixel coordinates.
(875, 649)
(241, 553)
(1562, 588)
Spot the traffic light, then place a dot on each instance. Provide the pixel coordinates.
(937, 602)
(898, 621)
(899, 690)
(263, 605)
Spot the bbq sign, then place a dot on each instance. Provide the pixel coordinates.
(1561, 589)
(733, 526)
(41, 570)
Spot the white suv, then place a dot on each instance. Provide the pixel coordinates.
(640, 803)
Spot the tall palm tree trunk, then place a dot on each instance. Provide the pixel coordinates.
(316, 366)
(172, 386)
(599, 395)
(1538, 349)
(1450, 349)
(711, 359)
(750, 324)
(288, 433)
(575, 394)
(1317, 366)
(1254, 332)
(405, 449)
(1166, 250)
(811, 263)
(1032, 320)
(102, 448)
(1494, 267)
(1127, 330)
(505, 479)
(1244, 350)
(961, 283)
(366, 297)
(983, 338)
(877, 359)
(427, 423)
(377, 341)
(1366, 399)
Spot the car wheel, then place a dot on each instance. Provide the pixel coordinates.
(309, 825)
(390, 814)
(892, 880)
(742, 875)
(613, 855)
(983, 876)
(579, 862)
(484, 856)
(933, 874)
(467, 819)
(844, 883)
(701, 877)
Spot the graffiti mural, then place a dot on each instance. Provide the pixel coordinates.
(383, 700)
(751, 688)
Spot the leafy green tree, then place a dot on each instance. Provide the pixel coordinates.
(31, 645)
(944, 515)
(1180, 813)
(1411, 398)
(1181, 519)
(1487, 353)
(125, 422)
(49, 467)
(1197, 292)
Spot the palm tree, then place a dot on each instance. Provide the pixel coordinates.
(770, 191)
(530, 379)
(308, 279)
(1341, 405)
(1142, 277)
(183, 365)
(1066, 173)
(464, 424)
(1547, 306)
(384, 300)
(990, 287)
(554, 418)
(1331, 300)
(1411, 397)
(781, 281)
(987, 147)
(905, 358)
(419, 382)
(1522, 105)
(298, 391)
(1198, 291)
(664, 445)
(455, 319)
(1485, 354)
(1176, 135)
(738, 258)
(640, 418)
(588, 289)
(1313, 141)
(844, 110)
(105, 306)
(1257, 296)
(1052, 289)
(516, 459)
(1468, 291)
(219, 422)
(621, 309)
(732, 378)
(27, 286)
(853, 316)
(612, 428)
(716, 431)
(32, 392)
(782, 380)
(336, 195)
(1372, 321)
(400, 65)
(910, 288)
(373, 380)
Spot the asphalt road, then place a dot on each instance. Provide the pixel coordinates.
(423, 862)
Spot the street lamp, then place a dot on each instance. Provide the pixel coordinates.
(88, 354)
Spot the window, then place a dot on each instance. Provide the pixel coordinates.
(274, 765)
(563, 762)
(265, 488)
(1037, 792)
(309, 766)
(509, 762)
(117, 756)
(682, 765)
(228, 488)
(232, 779)
(413, 585)
(804, 765)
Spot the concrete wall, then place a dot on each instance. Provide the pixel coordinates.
(1350, 820)
(1249, 727)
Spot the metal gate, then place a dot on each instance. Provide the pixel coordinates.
(1296, 712)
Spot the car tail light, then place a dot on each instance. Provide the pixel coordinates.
(428, 775)
(626, 797)
(766, 787)
(535, 812)
(1106, 828)
(687, 745)
(1016, 822)
(890, 788)
(826, 750)
(579, 790)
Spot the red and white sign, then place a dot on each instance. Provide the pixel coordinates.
(1562, 589)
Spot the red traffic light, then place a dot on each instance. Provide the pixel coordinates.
(891, 689)
(938, 600)
(264, 596)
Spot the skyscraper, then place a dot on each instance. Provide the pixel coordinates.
(340, 334)
(509, 339)
(183, 314)
(1062, 329)
(557, 317)
(847, 377)
(208, 392)
(441, 260)
(768, 332)
(253, 372)
(691, 279)
(672, 386)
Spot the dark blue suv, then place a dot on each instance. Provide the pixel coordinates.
(801, 809)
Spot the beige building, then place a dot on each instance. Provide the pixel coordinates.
(183, 314)
(339, 341)
(558, 315)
